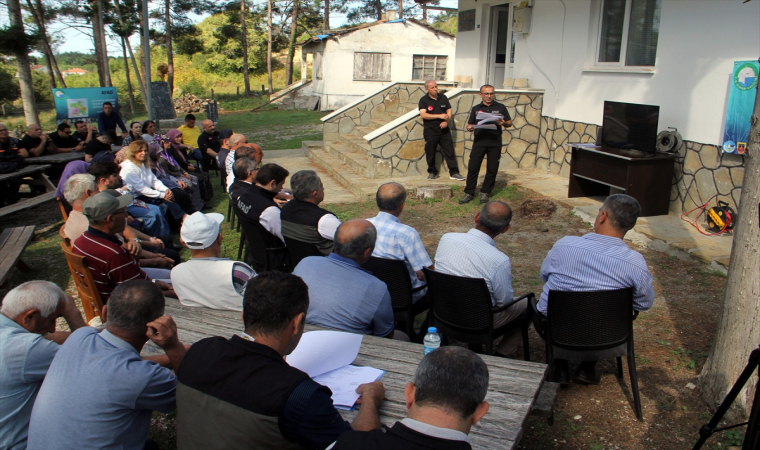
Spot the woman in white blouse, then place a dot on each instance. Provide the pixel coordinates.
(136, 173)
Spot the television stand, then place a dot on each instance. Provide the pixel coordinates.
(647, 178)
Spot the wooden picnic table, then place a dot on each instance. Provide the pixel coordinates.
(57, 158)
(513, 384)
(13, 241)
(37, 173)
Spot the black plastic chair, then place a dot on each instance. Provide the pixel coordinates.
(209, 164)
(589, 326)
(394, 273)
(264, 251)
(461, 308)
(299, 250)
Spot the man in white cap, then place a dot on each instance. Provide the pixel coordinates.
(207, 279)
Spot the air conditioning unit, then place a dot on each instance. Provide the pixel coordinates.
(522, 19)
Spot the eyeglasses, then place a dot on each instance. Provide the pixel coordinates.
(67, 132)
(3, 129)
(121, 211)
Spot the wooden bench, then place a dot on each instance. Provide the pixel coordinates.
(544, 405)
(24, 204)
(13, 241)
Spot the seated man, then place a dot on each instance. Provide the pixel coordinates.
(99, 148)
(153, 221)
(240, 392)
(28, 343)
(236, 140)
(99, 392)
(36, 143)
(109, 263)
(256, 202)
(83, 133)
(342, 294)
(446, 398)
(108, 120)
(63, 140)
(10, 151)
(598, 261)
(396, 240)
(474, 255)
(252, 151)
(190, 135)
(224, 149)
(303, 219)
(209, 139)
(207, 279)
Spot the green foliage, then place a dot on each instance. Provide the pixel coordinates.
(14, 39)
(446, 21)
(9, 90)
(43, 92)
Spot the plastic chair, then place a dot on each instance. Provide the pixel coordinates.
(461, 308)
(394, 273)
(299, 250)
(65, 208)
(592, 325)
(264, 251)
(88, 293)
(62, 233)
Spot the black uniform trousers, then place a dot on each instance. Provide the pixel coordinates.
(447, 149)
(473, 169)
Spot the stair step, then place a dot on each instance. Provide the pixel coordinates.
(356, 143)
(356, 159)
(341, 171)
(378, 123)
(406, 107)
(361, 131)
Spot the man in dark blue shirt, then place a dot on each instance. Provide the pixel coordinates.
(240, 392)
(109, 120)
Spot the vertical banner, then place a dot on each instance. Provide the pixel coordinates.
(741, 101)
(72, 104)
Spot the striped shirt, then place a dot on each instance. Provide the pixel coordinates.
(474, 255)
(109, 263)
(398, 241)
(595, 262)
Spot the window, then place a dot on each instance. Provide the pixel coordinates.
(429, 67)
(372, 66)
(628, 32)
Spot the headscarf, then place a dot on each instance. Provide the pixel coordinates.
(155, 153)
(161, 140)
(172, 135)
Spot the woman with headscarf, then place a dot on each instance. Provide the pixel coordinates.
(161, 156)
(178, 187)
(204, 182)
(139, 178)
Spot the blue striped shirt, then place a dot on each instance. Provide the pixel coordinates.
(595, 262)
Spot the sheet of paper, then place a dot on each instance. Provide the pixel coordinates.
(344, 381)
(322, 351)
(487, 126)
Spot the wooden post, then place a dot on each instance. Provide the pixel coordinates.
(238, 90)
(262, 88)
(212, 94)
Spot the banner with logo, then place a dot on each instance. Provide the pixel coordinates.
(73, 104)
(741, 101)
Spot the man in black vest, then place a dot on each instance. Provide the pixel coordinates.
(485, 143)
(446, 398)
(435, 110)
(303, 219)
(240, 392)
(256, 201)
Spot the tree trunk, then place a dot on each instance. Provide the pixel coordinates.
(146, 72)
(739, 329)
(39, 18)
(327, 16)
(132, 107)
(97, 29)
(169, 50)
(269, 45)
(244, 44)
(49, 66)
(400, 9)
(24, 71)
(131, 54)
(424, 13)
(379, 10)
(292, 45)
(103, 45)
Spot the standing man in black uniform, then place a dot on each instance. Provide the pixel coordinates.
(485, 143)
(435, 110)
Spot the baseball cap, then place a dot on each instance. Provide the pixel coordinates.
(200, 230)
(225, 133)
(103, 204)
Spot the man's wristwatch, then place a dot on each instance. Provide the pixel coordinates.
(138, 240)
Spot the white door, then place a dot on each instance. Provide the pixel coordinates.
(500, 46)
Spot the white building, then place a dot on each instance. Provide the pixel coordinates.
(349, 64)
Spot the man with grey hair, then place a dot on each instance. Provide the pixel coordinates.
(446, 398)
(303, 219)
(474, 255)
(435, 111)
(344, 296)
(235, 141)
(99, 378)
(396, 240)
(28, 343)
(598, 261)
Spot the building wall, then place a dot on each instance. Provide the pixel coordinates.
(402, 40)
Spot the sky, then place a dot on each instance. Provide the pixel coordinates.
(75, 41)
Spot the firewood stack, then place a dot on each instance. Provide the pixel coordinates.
(189, 103)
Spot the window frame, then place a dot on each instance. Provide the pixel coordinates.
(390, 68)
(595, 35)
(435, 68)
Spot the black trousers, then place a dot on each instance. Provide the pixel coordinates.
(9, 192)
(473, 169)
(447, 149)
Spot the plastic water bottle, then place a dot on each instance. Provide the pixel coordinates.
(432, 340)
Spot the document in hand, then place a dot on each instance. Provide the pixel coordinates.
(484, 117)
(487, 126)
(326, 357)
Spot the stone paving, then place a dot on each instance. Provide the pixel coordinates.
(661, 233)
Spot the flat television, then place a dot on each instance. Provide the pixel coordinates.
(630, 126)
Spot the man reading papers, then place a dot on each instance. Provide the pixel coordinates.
(240, 392)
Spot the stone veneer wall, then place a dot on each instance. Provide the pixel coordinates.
(701, 173)
(401, 151)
